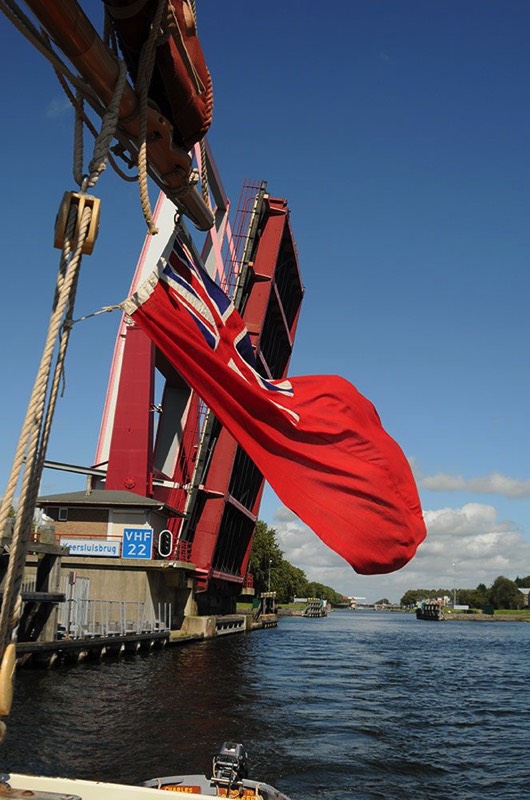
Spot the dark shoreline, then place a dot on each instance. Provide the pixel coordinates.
(487, 617)
(286, 612)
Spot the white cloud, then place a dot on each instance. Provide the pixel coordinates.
(464, 547)
(58, 107)
(488, 484)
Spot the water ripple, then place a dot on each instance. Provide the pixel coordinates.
(359, 706)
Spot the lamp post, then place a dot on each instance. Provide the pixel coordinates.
(269, 581)
(454, 584)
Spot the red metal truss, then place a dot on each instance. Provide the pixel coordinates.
(176, 451)
(269, 295)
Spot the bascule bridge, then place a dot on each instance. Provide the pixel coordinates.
(161, 448)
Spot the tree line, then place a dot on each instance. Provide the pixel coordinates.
(503, 593)
(271, 570)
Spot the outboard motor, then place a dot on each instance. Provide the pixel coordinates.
(230, 764)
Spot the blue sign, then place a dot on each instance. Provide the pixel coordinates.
(137, 543)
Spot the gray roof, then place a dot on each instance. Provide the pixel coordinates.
(105, 498)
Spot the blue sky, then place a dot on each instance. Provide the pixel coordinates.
(399, 131)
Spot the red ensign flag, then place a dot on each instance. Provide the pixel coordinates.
(318, 442)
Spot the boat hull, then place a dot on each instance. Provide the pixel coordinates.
(195, 787)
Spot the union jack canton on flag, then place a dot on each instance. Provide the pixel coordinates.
(218, 321)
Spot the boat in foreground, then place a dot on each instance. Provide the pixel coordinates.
(229, 779)
(196, 787)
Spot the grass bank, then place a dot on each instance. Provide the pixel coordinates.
(499, 615)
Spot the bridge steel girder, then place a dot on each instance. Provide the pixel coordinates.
(207, 476)
(224, 526)
(130, 465)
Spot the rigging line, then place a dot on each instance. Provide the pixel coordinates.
(96, 167)
(59, 371)
(42, 43)
(202, 144)
(33, 440)
(28, 30)
(142, 84)
(204, 173)
(109, 34)
(26, 27)
(127, 142)
(108, 128)
(78, 107)
(104, 309)
(30, 436)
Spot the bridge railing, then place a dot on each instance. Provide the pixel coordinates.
(83, 618)
(183, 551)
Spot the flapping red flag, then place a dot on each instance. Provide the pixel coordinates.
(318, 442)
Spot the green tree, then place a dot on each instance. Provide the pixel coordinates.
(480, 596)
(288, 582)
(504, 594)
(324, 593)
(409, 599)
(267, 561)
(413, 596)
(265, 556)
(474, 598)
(523, 583)
(383, 602)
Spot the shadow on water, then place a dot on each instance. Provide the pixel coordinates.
(357, 705)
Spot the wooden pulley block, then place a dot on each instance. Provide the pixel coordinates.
(81, 201)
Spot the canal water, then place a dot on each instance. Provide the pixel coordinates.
(359, 705)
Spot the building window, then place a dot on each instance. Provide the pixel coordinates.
(63, 515)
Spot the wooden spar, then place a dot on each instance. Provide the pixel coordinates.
(74, 34)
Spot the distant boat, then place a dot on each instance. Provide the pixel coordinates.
(316, 607)
(431, 610)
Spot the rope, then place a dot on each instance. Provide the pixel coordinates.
(41, 41)
(202, 144)
(109, 35)
(69, 323)
(79, 109)
(26, 27)
(110, 121)
(30, 435)
(204, 174)
(78, 140)
(34, 436)
(143, 81)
